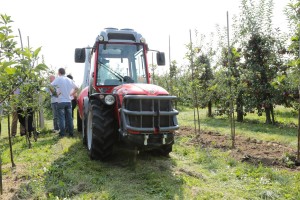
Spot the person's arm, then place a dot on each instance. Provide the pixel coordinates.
(74, 90)
(53, 88)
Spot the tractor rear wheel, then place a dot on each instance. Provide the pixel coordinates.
(101, 130)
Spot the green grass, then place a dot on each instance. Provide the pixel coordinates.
(56, 168)
(253, 126)
(224, 178)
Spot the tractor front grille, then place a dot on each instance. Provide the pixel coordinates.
(149, 113)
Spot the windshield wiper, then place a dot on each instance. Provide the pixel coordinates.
(126, 79)
(116, 74)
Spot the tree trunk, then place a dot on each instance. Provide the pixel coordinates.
(1, 187)
(268, 115)
(272, 114)
(41, 114)
(209, 107)
(298, 150)
(239, 108)
(1, 113)
(10, 143)
(240, 116)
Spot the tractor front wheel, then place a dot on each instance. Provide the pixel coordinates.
(101, 130)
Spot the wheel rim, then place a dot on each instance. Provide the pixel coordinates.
(89, 130)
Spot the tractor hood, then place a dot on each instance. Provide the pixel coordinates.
(139, 89)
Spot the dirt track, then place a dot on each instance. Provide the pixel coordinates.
(247, 149)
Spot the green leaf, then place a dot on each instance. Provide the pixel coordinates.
(10, 70)
(7, 64)
(36, 52)
(294, 38)
(26, 53)
(41, 67)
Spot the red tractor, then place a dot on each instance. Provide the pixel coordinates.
(118, 105)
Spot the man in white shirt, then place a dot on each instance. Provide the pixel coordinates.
(65, 88)
(73, 98)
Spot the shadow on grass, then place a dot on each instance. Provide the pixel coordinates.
(19, 144)
(124, 176)
(250, 125)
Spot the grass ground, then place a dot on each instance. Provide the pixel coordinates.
(284, 131)
(56, 168)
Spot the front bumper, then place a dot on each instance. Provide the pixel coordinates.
(148, 120)
(149, 140)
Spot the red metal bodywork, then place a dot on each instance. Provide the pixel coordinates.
(139, 89)
(122, 90)
(83, 93)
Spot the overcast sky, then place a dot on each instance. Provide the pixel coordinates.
(61, 26)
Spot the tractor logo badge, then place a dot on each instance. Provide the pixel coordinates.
(152, 91)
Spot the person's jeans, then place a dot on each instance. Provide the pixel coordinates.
(65, 117)
(55, 116)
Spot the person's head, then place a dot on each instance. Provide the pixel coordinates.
(51, 77)
(61, 71)
(70, 76)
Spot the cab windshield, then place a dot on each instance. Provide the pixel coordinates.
(121, 63)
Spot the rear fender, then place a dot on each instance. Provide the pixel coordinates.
(85, 106)
(81, 101)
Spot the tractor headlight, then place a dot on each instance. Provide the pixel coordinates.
(109, 99)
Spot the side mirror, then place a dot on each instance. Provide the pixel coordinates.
(79, 55)
(160, 58)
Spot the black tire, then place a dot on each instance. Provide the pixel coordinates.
(163, 151)
(101, 130)
(79, 122)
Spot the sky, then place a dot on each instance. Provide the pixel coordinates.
(60, 26)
